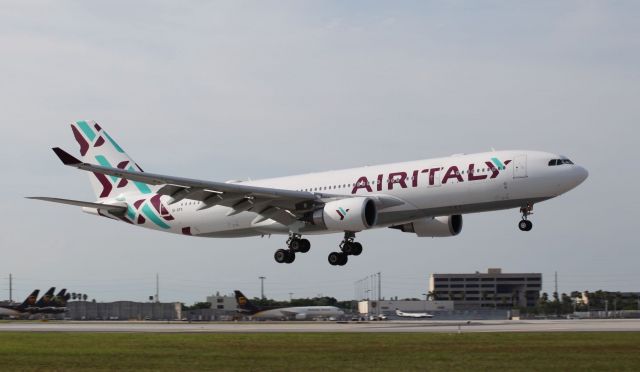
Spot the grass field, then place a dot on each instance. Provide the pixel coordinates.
(320, 351)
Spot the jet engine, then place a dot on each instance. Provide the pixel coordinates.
(301, 316)
(434, 226)
(350, 214)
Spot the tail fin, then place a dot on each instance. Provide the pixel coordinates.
(46, 298)
(244, 305)
(97, 147)
(58, 300)
(31, 299)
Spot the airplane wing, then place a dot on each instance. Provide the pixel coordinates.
(284, 206)
(277, 204)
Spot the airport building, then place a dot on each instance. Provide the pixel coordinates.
(124, 310)
(224, 303)
(493, 289)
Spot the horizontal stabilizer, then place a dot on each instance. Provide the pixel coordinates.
(65, 157)
(115, 209)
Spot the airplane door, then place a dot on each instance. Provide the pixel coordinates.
(520, 166)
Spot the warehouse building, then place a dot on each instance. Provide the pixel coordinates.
(124, 310)
(493, 289)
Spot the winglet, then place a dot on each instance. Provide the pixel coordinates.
(65, 157)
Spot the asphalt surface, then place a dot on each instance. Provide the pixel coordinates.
(586, 325)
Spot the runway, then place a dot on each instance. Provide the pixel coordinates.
(586, 325)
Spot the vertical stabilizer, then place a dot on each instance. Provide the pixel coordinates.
(31, 300)
(244, 305)
(98, 147)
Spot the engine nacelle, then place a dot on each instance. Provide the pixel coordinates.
(434, 226)
(301, 316)
(350, 214)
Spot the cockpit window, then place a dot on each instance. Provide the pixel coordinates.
(553, 162)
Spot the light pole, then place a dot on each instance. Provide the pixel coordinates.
(290, 296)
(262, 278)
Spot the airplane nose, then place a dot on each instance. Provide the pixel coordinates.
(581, 174)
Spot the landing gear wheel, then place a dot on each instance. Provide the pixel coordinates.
(343, 259)
(356, 249)
(522, 225)
(304, 247)
(347, 248)
(335, 258)
(525, 225)
(297, 244)
(291, 256)
(281, 256)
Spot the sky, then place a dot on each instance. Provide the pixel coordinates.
(221, 90)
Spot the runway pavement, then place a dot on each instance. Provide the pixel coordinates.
(586, 325)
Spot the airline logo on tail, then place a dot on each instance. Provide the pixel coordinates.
(96, 146)
(33, 297)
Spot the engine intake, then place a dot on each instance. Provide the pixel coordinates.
(433, 226)
(352, 214)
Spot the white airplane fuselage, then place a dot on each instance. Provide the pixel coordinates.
(300, 313)
(413, 315)
(408, 191)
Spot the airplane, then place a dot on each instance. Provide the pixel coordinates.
(425, 197)
(19, 310)
(293, 313)
(44, 301)
(55, 305)
(413, 315)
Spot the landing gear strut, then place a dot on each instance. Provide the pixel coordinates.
(525, 224)
(349, 247)
(295, 243)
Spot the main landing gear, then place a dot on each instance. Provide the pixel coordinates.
(294, 244)
(525, 224)
(349, 247)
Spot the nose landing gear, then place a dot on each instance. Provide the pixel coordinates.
(525, 224)
(294, 244)
(348, 247)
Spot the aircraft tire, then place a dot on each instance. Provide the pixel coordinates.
(334, 258)
(305, 245)
(357, 249)
(343, 259)
(523, 225)
(291, 256)
(280, 256)
(347, 248)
